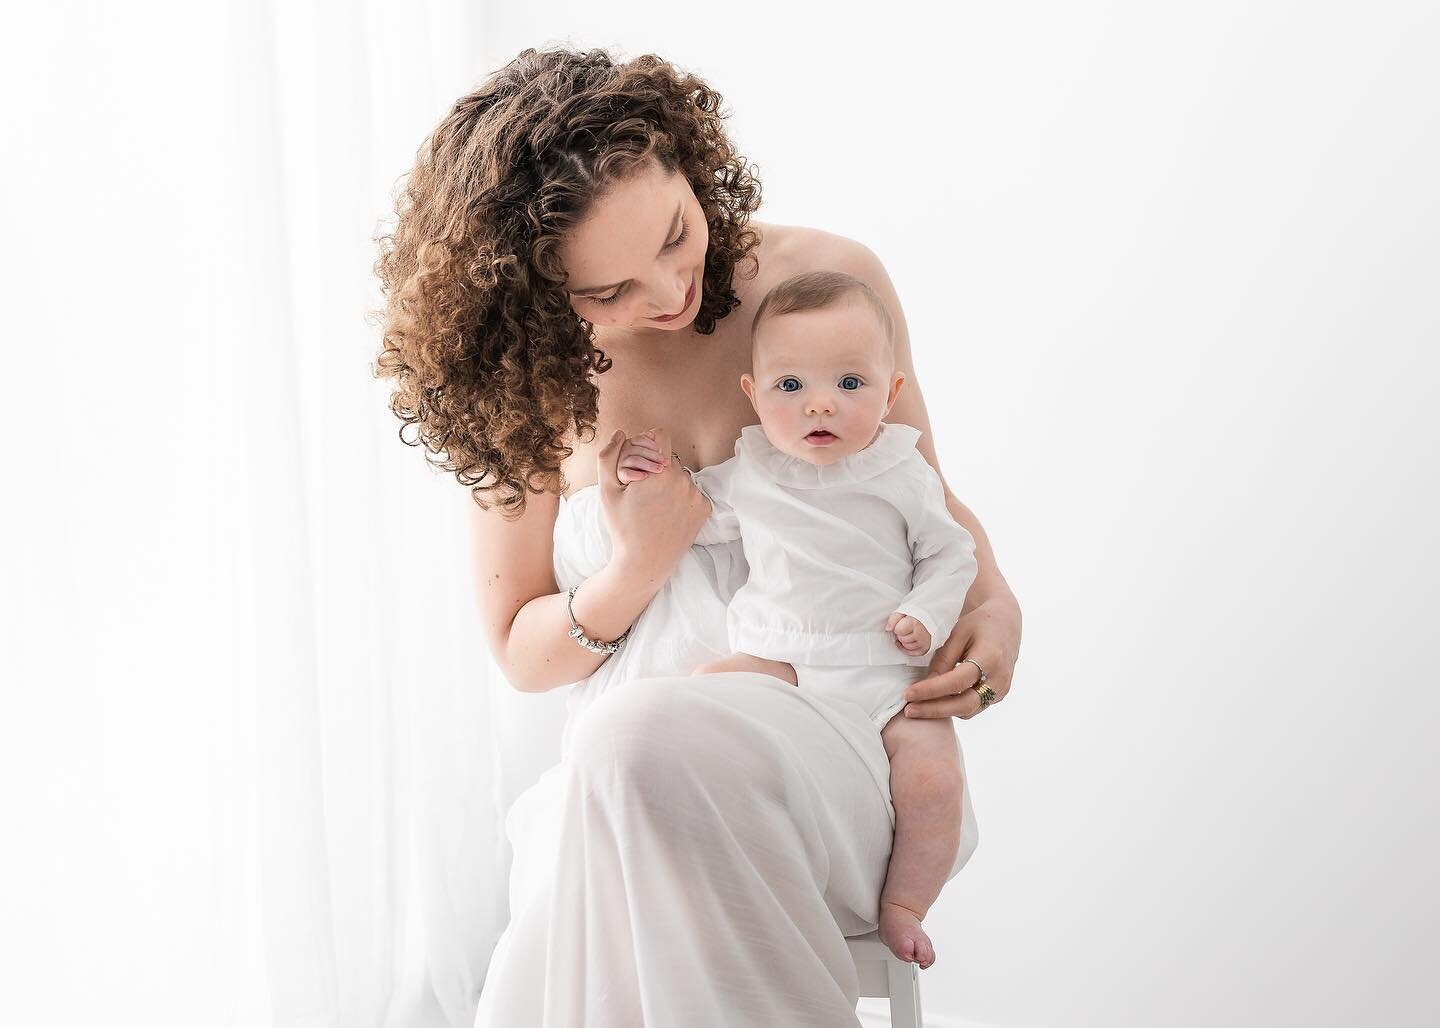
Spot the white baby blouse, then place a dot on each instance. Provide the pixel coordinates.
(834, 549)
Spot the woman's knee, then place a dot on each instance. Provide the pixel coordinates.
(636, 731)
(670, 741)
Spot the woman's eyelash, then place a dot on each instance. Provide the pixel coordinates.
(684, 235)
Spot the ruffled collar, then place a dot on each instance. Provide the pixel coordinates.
(890, 447)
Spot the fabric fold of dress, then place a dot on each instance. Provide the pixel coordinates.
(705, 844)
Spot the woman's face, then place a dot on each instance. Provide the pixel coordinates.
(639, 254)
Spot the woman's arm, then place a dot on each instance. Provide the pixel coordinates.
(858, 260)
(990, 622)
(651, 524)
(523, 613)
(989, 584)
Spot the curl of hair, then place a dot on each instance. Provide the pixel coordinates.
(490, 363)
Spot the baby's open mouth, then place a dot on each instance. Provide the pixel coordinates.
(821, 435)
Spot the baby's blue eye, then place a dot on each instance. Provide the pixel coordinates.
(788, 389)
(850, 382)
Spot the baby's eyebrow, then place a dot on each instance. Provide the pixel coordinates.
(669, 232)
(780, 375)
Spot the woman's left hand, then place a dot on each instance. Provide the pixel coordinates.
(988, 635)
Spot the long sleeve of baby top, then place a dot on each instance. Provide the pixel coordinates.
(833, 549)
(716, 481)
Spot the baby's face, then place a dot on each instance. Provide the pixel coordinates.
(823, 381)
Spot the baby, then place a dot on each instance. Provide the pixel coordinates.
(857, 570)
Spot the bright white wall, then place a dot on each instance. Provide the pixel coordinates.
(1170, 273)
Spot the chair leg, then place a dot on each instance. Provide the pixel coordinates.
(904, 994)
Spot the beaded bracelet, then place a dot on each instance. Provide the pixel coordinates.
(578, 634)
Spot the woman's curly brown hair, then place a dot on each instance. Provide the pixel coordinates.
(489, 359)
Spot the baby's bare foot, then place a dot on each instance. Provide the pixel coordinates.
(900, 931)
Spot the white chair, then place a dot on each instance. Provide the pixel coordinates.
(884, 974)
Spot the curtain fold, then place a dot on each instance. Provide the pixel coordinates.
(248, 742)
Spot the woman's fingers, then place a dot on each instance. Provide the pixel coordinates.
(964, 706)
(949, 693)
(987, 636)
(945, 695)
(616, 440)
(954, 680)
(948, 653)
(607, 463)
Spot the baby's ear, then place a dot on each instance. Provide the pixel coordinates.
(896, 381)
(747, 384)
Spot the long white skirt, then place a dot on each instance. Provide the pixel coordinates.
(716, 839)
(705, 844)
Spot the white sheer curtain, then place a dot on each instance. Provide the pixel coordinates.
(246, 732)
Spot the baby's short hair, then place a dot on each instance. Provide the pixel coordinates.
(814, 290)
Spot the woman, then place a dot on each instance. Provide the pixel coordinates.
(574, 258)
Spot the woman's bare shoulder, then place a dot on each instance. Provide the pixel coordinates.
(801, 248)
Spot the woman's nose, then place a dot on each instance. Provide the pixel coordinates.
(676, 299)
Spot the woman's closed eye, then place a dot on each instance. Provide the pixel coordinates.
(684, 235)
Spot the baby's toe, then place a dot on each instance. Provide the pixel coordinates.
(924, 953)
(904, 949)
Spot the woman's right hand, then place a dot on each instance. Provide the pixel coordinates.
(654, 520)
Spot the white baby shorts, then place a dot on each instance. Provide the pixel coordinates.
(878, 689)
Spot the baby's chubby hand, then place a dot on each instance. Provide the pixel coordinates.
(640, 456)
(910, 635)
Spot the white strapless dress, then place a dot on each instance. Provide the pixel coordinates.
(705, 844)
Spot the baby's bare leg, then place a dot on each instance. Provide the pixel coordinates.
(925, 787)
(748, 662)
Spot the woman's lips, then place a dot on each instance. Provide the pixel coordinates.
(689, 295)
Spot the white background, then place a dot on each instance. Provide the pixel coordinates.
(1170, 271)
